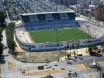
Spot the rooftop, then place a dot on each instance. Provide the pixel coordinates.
(48, 12)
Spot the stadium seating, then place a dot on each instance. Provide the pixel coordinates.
(71, 15)
(95, 31)
(25, 19)
(49, 21)
(41, 17)
(22, 34)
(56, 16)
(55, 24)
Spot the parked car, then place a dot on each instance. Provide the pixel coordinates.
(40, 67)
(55, 65)
(23, 71)
(79, 55)
(69, 62)
(62, 68)
(96, 54)
(45, 65)
(69, 58)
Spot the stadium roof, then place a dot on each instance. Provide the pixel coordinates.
(71, 11)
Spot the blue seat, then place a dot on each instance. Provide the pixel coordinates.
(53, 24)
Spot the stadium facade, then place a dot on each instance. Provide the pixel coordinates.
(49, 21)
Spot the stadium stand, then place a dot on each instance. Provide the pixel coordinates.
(50, 20)
(22, 35)
(93, 30)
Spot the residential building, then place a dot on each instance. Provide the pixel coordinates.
(99, 12)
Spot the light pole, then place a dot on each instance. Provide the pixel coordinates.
(57, 36)
(57, 39)
(88, 29)
(77, 47)
(65, 51)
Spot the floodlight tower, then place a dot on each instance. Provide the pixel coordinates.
(57, 37)
(88, 29)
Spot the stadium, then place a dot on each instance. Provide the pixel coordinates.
(55, 30)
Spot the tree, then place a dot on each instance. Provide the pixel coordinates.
(10, 37)
(74, 53)
(65, 48)
(2, 24)
(48, 76)
(99, 51)
(102, 51)
(76, 75)
(90, 49)
(68, 55)
(89, 45)
(2, 18)
(102, 46)
(69, 74)
(103, 75)
(1, 48)
(77, 47)
(94, 47)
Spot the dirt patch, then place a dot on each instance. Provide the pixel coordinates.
(80, 66)
(91, 75)
(43, 72)
(25, 67)
(37, 57)
(18, 48)
(10, 65)
(80, 51)
(101, 63)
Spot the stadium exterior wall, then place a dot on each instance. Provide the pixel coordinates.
(37, 47)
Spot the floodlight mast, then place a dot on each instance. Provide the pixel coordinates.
(57, 37)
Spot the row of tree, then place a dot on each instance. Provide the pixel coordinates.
(94, 49)
(48, 76)
(70, 48)
(10, 36)
(2, 19)
(2, 26)
(69, 75)
(1, 45)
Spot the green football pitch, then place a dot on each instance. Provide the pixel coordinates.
(61, 35)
